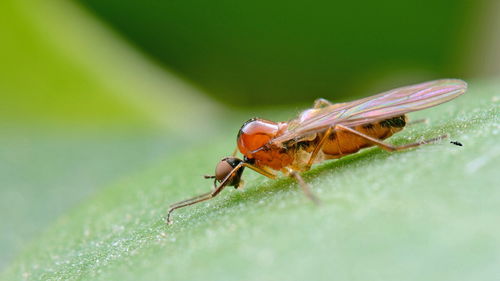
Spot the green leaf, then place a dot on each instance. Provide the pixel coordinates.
(429, 213)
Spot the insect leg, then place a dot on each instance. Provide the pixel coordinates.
(202, 197)
(418, 121)
(318, 148)
(191, 199)
(305, 187)
(387, 146)
(260, 171)
(185, 203)
(194, 200)
(235, 151)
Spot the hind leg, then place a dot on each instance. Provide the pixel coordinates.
(386, 146)
(418, 121)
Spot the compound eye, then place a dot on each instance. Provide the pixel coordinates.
(222, 170)
(255, 133)
(225, 167)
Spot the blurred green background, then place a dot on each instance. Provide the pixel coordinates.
(93, 91)
(268, 52)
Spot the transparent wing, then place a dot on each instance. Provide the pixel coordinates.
(378, 107)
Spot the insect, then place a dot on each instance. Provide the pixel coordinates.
(456, 143)
(326, 131)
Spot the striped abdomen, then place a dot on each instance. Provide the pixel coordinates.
(341, 143)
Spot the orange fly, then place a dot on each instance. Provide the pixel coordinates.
(326, 131)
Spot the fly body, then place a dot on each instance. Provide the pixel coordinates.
(325, 131)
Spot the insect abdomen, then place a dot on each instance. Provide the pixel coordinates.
(341, 143)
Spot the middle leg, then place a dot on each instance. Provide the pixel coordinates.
(305, 187)
(318, 147)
